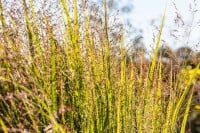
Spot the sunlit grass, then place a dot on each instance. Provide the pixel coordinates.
(77, 83)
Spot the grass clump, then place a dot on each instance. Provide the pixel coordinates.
(71, 75)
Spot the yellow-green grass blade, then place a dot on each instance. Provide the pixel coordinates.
(36, 32)
(153, 63)
(185, 118)
(3, 22)
(3, 126)
(182, 98)
(68, 18)
(53, 68)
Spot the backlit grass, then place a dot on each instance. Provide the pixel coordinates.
(66, 76)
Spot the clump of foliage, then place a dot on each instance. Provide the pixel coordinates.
(64, 69)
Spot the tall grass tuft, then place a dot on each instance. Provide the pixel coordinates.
(60, 72)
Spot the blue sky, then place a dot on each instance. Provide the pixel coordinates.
(145, 11)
